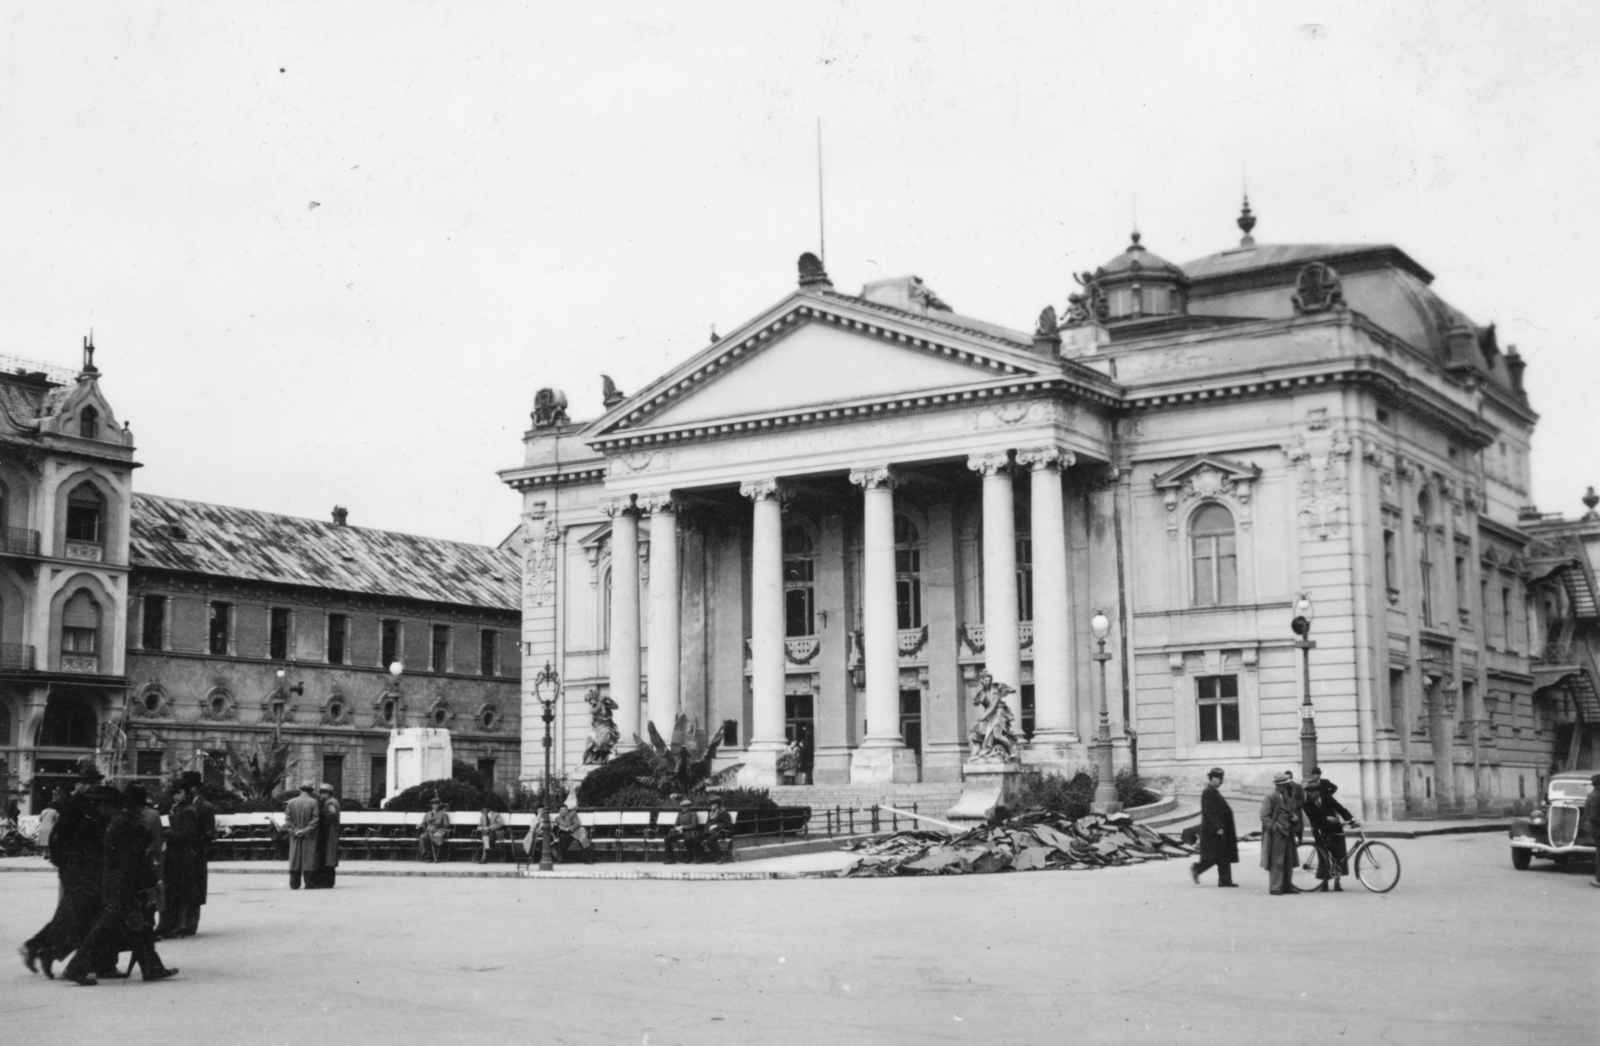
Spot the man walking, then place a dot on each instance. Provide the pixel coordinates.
(1219, 844)
(301, 815)
(1280, 821)
(327, 840)
(126, 919)
(76, 849)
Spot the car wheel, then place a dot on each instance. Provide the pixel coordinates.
(1520, 859)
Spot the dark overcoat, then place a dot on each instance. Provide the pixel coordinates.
(300, 820)
(1219, 842)
(1280, 824)
(328, 834)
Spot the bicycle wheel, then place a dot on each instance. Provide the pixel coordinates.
(1307, 859)
(1378, 867)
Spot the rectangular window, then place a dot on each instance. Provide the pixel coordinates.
(389, 651)
(441, 648)
(488, 644)
(338, 636)
(155, 622)
(333, 773)
(486, 771)
(83, 522)
(1397, 698)
(1219, 707)
(1025, 578)
(80, 640)
(799, 596)
(221, 628)
(1483, 607)
(1505, 618)
(908, 587)
(1461, 589)
(147, 763)
(1028, 711)
(1390, 577)
(278, 635)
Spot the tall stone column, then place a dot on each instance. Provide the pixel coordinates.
(624, 653)
(1054, 644)
(1002, 652)
(882, 756)
(665, 645)
(766, 633)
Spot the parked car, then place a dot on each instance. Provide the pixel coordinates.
(1552, 830)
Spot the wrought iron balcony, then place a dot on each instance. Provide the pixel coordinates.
(19, 541)
(16, 657)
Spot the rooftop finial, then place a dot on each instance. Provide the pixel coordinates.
(1247, 221)
(88, 353)
(1590, 500)
(1135, 246)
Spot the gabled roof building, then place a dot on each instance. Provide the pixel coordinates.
(820, 529)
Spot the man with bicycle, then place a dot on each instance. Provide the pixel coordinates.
(1327, 817)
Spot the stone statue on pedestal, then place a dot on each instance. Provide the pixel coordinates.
(603, 733)
(991, 736)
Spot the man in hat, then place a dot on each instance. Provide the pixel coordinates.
(719, 832)
(1219, 845)
(569, 827)
(491, 826)
(1591, 817)
(126, 918)
(684, 836)
(76, 849)
(138, 800)
(191, 826)
(301, 815)
(1280, 822)
(327, 840)
(1327, 817)
(434, 834)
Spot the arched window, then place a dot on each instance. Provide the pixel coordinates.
(799, 583)
(89, 423)
(907, 573)
(1215, 562)
(80, 626)
(68, 723)
(1425, 548)
(86, 515)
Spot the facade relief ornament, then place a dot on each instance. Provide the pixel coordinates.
(768, 489)
(877, 476)
(660, 501)
(1006, 415)
(1040, 458)
(151, 702)
(1386, 489)
(1324, 479)
(1318, 289)
(539, 539)
(623, 504)
(639, 461)
(1207, 476)
(989, 464)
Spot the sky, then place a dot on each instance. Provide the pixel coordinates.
(329, 252)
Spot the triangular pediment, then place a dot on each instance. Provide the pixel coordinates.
(812, 354)
(1227, 471)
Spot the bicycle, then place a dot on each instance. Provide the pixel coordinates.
(1375, 864)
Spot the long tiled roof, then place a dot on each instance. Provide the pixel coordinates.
(197, 538)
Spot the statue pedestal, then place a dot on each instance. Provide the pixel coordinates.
(883, 764)
(417, 754)
(760, 761)
(988, 784)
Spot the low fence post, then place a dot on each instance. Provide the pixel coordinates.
(875, 818)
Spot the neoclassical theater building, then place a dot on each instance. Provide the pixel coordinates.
(823, 526)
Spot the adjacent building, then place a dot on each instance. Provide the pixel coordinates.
(821, 528)
(152, 633)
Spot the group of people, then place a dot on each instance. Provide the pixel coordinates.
(125, 881)
(691, 839)
(311, 820)
(1286, 812)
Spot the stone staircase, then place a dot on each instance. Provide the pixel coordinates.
(930, 799)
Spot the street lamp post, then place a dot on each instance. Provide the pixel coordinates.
(1303, 613)
(546, 678)
(1105, 790)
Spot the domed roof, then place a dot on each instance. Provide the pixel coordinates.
(1137, 260)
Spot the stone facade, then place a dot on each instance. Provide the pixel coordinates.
(823, 526)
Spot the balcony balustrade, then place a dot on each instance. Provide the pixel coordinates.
(16, 657)
(19, 541)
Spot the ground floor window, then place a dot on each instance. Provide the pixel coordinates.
(1218, 698)
(486, 771)
(333, 773)
(380, 774)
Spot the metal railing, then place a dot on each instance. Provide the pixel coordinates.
(16, 657)
(19, 541)
(868, 820)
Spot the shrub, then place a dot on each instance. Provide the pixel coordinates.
(1055, 794)
(1131, 790)
(635, 797)
(351, 806)
(623, 771)
(468, 775)
(456, 796)
(744, 798)
(524, 799)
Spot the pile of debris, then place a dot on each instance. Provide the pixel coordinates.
(1026, 843)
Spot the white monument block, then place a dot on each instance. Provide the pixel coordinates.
(417, 754)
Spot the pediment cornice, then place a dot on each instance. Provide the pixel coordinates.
(1230, 471)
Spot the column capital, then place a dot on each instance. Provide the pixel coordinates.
(989, 464)
(773, 489)
(660, 501)
(1041, 458)
(876, 476)
(622, 505)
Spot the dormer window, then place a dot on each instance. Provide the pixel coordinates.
(89, 423)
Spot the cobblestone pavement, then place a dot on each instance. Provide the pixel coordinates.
(1466, 950)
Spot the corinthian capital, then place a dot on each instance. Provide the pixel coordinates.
(1040, 458)
(877, 476)
(660, 501)
(989, 464)
(764, 490)
(619, 506)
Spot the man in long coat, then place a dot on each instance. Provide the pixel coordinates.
(76, 849)
(191, 826)
(1219, 844)
(126, 919)
(1280, 824)
(300, 820)
(327, 840)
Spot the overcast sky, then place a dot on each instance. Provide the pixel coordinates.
(329, 251)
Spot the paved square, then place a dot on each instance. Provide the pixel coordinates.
(1465, 951)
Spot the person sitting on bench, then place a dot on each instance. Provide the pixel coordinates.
(684, 836)
(719, 832)
(491, 826)
(434, 832)
(570, 832)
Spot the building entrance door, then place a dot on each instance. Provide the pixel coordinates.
(800, 727)
(911, 723)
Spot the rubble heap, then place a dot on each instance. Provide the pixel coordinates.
(1027, 843)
